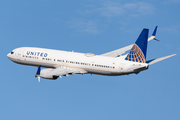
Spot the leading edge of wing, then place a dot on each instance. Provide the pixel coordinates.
(121, 51)
(118, 52)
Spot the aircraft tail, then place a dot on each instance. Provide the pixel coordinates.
(138, 51)
(150, 62)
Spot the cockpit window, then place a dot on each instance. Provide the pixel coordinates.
(12, 52)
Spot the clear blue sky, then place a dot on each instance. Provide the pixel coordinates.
(96, 26)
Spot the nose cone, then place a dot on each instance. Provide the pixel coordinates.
(8, 55)
(12, 55)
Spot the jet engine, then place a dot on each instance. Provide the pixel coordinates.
(44, 74)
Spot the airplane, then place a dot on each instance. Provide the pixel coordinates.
(58, 63)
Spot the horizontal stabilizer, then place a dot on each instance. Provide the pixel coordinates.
(158, 59)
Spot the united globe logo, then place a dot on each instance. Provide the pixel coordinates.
(136, 55)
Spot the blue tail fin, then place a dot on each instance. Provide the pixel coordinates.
(138, 51)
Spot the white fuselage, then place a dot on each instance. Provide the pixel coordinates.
(91, 63)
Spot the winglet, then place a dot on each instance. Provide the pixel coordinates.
(38, 73)
(154, 33)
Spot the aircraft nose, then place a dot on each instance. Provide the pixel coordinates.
(8, 55)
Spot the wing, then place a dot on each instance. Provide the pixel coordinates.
(55, 73)
(118, 52)
(64, 71)
(121, 51)
(150, 62)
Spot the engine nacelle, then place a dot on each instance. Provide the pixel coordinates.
(46, 71)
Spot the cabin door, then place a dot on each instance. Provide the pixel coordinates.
(19, 54)
(121, 67)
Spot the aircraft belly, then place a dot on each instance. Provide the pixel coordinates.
(104, 72)
(32, 63)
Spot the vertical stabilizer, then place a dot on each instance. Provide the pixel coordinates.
(138, 51)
